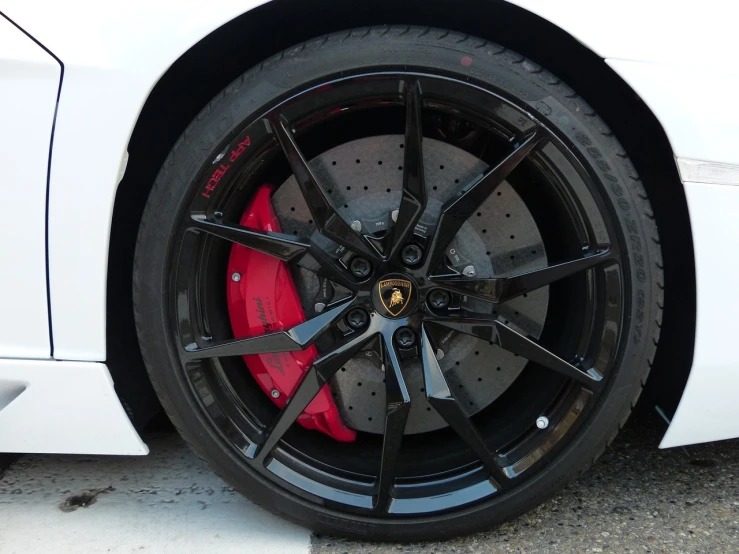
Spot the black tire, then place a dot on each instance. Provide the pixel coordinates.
(437, 50)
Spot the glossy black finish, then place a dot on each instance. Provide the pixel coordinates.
(303, 252)
(515, 342)
(284, 247)
(413, 201)
(365, 319)
(458, 210)
(319, 373)
(441, 399)
(299, 337)
(325, 265)
(398, 407)
(501, 289)
(324, 214)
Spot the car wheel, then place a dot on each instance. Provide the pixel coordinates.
(398, 283)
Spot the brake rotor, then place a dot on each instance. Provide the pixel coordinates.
(365, 179)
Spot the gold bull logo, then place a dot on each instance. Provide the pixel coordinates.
(396, 297)
(394, 294)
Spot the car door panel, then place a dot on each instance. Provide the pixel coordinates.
(29, 85)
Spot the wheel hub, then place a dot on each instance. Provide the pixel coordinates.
(395, 295)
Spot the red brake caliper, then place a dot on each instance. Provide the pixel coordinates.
(264, 300)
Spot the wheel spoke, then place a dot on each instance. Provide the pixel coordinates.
(330, 223)
(516, 343)
(441, 399)
(299, 337)
(279, 245)
(318, 375)
(396, 416)
(319, 262)
(501, 289)
(413, 201)
(456, 211)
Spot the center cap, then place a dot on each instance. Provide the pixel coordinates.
(395, 296)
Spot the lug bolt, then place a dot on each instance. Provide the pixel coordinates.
(411, 254)
(360, 267)
(405, 337)
(542, 422)
(275, 393)
(236, 277)
(357, 318)
(438, 298)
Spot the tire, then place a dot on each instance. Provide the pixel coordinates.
(619, 196)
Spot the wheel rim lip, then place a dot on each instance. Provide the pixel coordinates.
(338, 497)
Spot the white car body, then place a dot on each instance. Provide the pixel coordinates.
(101, 62)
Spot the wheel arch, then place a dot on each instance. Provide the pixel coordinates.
(194, 78)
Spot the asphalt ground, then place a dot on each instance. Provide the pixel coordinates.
(635, 498)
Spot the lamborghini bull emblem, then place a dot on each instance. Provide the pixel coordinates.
(394, 294)
(396, 298)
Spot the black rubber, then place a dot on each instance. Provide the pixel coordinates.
(436, 50)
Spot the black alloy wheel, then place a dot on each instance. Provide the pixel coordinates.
(494, 269)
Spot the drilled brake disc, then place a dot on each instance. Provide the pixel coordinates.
(502, 238)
